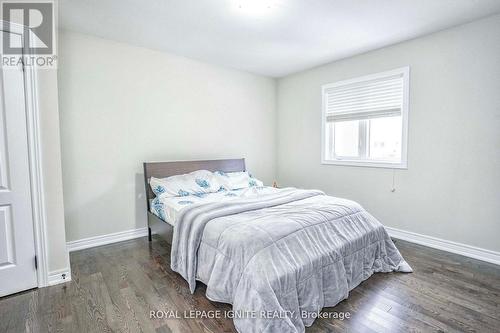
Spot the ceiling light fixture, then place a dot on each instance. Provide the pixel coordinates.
(255, 7)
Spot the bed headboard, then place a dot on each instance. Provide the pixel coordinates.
(167, 169)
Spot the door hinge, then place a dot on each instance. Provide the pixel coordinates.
(36, 262)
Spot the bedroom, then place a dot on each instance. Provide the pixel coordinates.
(388, 112)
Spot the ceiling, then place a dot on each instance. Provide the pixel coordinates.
(269, 37)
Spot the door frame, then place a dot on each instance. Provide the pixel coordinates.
(35, 160)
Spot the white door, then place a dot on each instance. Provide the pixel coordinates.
(17, 247)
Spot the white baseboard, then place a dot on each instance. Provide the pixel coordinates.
(446, 245)
(59, 276)
(106, 239)
(413, 237)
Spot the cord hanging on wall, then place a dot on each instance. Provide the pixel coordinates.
(393, 189)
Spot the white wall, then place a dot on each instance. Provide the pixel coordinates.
(122, 105)
(451, 189)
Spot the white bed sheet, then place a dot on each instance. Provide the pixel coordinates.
(169, 208)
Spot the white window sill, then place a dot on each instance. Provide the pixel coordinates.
(370, 164)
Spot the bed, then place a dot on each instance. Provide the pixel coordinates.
(277, 255)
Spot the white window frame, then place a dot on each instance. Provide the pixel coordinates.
(403, 164)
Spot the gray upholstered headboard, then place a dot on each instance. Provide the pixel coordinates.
(167, 169)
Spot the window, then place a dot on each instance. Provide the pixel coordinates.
(365, 120)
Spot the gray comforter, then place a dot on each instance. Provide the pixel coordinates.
(280, 258)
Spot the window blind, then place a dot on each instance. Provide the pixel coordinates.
(380, 97)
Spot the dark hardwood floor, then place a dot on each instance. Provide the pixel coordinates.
(114, 287)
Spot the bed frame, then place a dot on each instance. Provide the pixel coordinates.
(167, 169)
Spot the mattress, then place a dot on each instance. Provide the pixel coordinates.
(169, 208)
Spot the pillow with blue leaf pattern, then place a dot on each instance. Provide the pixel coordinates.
(197, 183)
(237, 180)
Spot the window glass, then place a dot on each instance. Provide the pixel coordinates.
(385, 138)
(346, 138)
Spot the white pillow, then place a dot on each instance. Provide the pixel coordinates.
(195, 183)
(236, 180)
